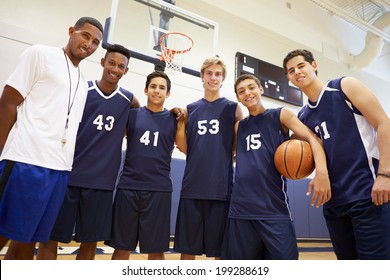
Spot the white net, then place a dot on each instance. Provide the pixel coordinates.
(174, 47)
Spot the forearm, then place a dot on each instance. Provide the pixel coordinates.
(319, 156)
(7, 119)
(383, 138)
(9, 101)
(181, 137)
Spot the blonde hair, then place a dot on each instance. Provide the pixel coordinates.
(213, 61)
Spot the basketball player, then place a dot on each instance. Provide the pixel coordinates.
(87, 206)
(355, 132)
(208, 175)
(142, 205)
(40, 110)
(260, 225)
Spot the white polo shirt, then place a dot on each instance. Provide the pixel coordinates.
(42, 78)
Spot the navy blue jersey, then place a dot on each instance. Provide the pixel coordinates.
(99, 139)
(259, 191)
(150, 142)
(349, 142)
(210, 133)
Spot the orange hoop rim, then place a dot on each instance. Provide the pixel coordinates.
(173, 51)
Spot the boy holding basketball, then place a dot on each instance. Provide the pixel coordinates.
(260, 224)
(355, 131)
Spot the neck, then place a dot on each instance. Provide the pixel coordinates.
(256, 110)
(68, 53)
(106, 87)
(155, 108)
(314, 90)
(211, 95)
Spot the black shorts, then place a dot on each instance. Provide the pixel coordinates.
(259, 240)
(144, 217)
(200, 226)
(87, 213)
(359, 230)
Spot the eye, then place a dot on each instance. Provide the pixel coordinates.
(85, 35)
(96, 43)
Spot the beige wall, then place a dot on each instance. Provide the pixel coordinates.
(25, 22)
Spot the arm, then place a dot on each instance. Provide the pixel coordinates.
(320, 183)
(134, 103)
(9, 101)
(239, 117)
(235, 138)
(239, 114)
(179, 112)
(366, 102)
(181, 134)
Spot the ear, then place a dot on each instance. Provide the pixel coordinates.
(127, 69)
(314, 65)
(71, 30)
(146, 91)
(102, 61)
(261, 90)
(168, 94)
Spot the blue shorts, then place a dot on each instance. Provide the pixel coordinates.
(359, 230)
(30, 201)
(259, 240)
(141, 216)
(200, 226)
(87, 213)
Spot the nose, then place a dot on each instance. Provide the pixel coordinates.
(87, 44)
(297, 70)
(213, 76)
(115, 68)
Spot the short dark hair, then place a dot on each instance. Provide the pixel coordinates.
(117, 49)
(158, 74)
(83, 20)
(246, 77)
(307, 55)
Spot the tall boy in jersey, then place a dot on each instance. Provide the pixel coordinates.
(142, 205)
(87, 206)
(208, 175)
(40, 111)
(260, 225)
(355, 132)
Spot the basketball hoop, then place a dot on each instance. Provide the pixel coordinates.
(174, 46)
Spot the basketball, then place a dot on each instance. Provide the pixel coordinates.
(294, 159)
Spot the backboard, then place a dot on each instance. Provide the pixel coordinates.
(139, 24)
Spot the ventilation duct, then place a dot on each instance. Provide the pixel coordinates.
(374, 44)
(375, 25)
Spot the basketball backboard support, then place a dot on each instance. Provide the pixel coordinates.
(138, 25)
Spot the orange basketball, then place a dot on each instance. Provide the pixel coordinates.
(294, 159)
